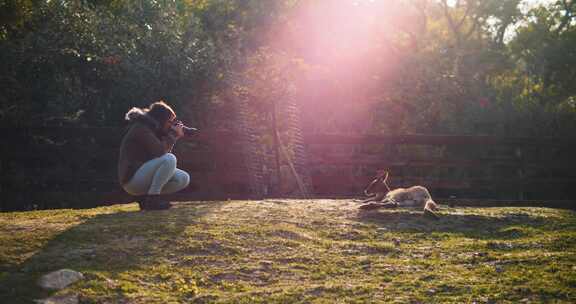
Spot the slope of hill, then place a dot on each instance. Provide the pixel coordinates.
(291, 251)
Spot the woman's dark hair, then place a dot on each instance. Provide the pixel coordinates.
(161, 112)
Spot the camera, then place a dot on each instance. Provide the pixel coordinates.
(188, 131)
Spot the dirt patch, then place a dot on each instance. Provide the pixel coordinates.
(297, 260)
(211, 248)
(290, 235)
(362, 249)
(352, 235)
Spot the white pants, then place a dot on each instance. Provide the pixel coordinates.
(158, 176)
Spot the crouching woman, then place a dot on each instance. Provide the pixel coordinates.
(146, 168)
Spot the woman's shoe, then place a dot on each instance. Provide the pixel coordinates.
(141, 200)
(142, 204)
(154, 202)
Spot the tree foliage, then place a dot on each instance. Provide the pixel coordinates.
(402, 66)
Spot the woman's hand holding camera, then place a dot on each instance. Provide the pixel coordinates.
(178, 129)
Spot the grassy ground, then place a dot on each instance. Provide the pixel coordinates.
(292, 251)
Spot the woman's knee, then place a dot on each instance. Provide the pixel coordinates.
(170, 159)
(185, 178)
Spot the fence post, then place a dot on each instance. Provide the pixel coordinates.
(276, 148)
(521, 172)
(2, 186)
(250, 150)
(299, 164)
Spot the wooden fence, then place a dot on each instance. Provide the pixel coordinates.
(76, 167)
(457, 167)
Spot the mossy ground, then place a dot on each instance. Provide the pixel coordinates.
(292, 251)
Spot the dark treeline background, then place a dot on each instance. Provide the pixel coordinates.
(499, 67)
(385, 67)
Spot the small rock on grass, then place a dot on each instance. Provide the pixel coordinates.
(59, 279)
(266, 264)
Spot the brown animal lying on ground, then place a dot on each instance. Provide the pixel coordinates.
(382, 197)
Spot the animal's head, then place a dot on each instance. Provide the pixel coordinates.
(378, 184)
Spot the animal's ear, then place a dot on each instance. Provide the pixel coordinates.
(377, 179)
(382, 174)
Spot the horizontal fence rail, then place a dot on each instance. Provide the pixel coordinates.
(55, 167)
(76, 167)
(487, 167)
(440, 140)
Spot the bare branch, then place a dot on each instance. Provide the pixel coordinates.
(465, 15)
(451, 21)
(473, 28)
(447, 13)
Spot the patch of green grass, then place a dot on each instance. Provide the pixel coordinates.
(292, 251)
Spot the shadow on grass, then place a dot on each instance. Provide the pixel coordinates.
(114, 243)
(470, 225)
